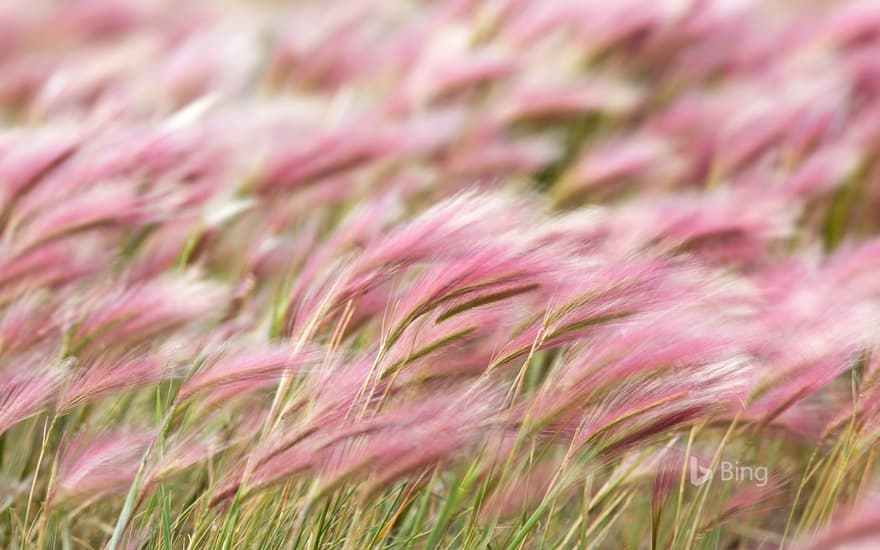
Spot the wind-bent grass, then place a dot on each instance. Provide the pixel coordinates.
(394, 274)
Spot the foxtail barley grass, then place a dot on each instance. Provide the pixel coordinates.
(451, 274)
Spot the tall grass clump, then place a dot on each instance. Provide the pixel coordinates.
(451, 274)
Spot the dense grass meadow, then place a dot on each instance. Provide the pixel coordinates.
(501, 274)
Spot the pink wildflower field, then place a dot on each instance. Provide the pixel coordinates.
(495, 274)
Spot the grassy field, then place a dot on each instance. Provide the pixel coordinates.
(455, 274)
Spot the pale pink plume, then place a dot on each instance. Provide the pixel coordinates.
(247, 368)
(26, 322)
(125, 316)
(107, 376)
(90, 468)
(26, 390)
(857, 529)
